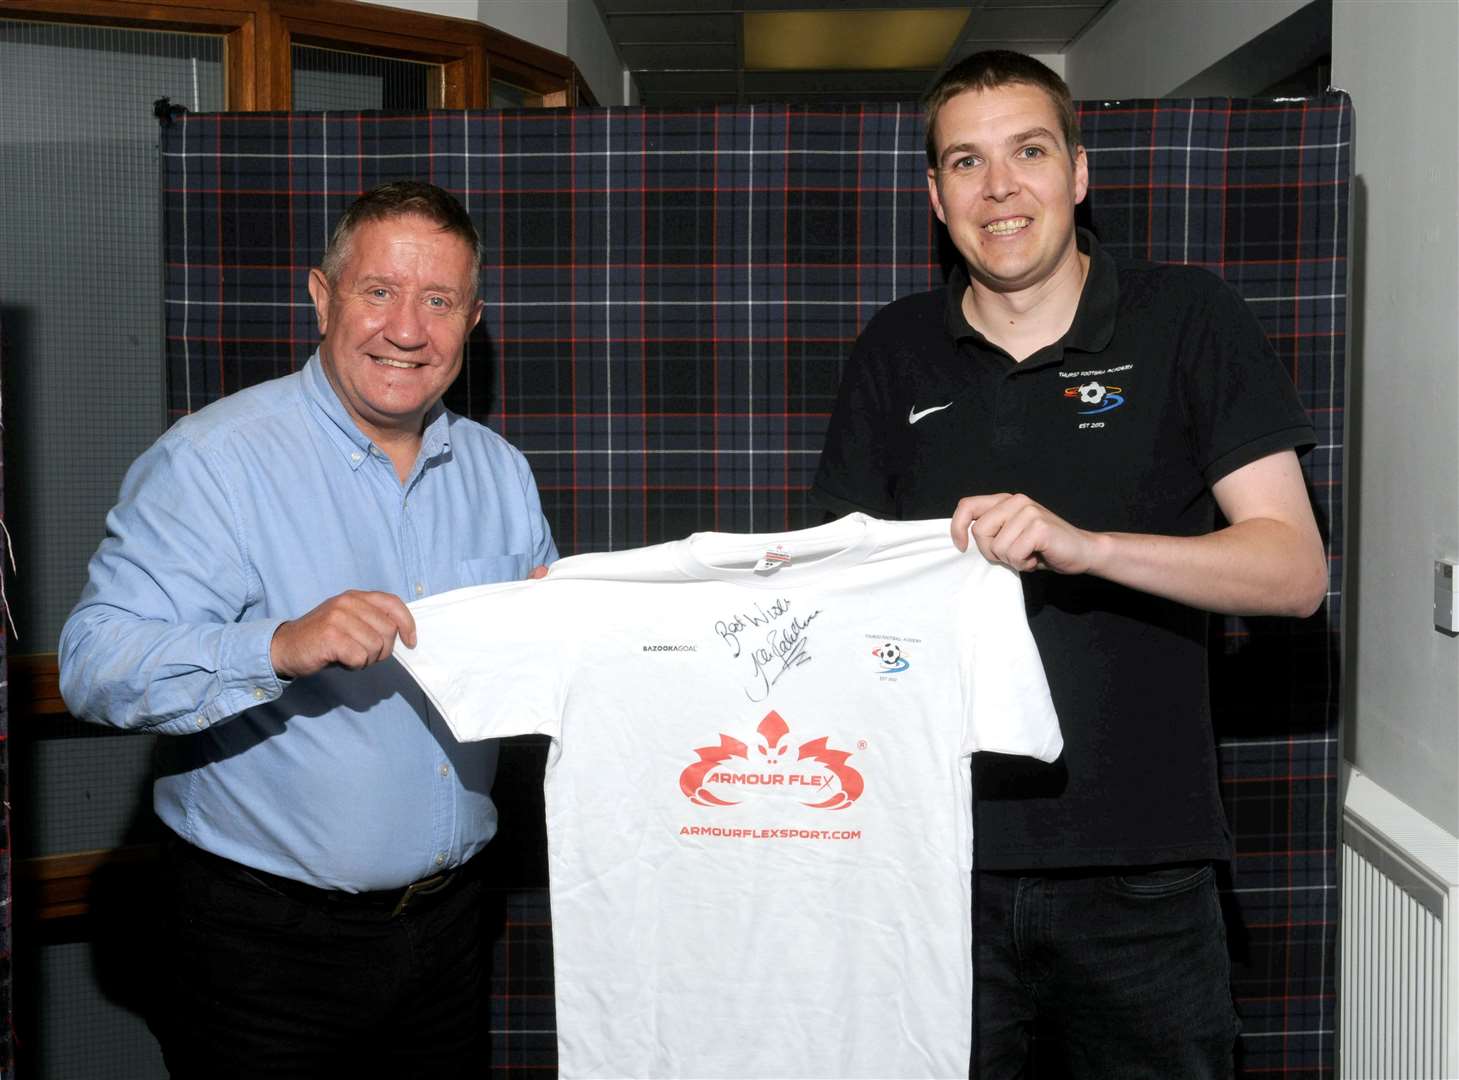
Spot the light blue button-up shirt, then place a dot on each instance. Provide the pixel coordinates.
(253, 511)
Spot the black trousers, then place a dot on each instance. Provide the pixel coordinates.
(1119, 976)
(269, 978)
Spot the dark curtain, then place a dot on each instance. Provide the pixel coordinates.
(7, 1024)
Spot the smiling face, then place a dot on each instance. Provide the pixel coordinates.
(1006, 185)
(394, 322)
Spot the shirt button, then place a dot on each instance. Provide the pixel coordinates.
(202, 722)
(356, 456)
(419, 588)
(258, 694)
(445, 770)
(441, 859)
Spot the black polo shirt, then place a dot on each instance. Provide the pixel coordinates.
(1163, 384)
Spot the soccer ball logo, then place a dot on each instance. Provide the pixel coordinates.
(1094, 393)
(890, 655)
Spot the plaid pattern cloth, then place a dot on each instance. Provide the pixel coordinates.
(669, 298)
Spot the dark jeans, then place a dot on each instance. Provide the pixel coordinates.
(1121, 976)
(258, 983)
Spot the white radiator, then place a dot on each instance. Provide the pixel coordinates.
(1399, 961)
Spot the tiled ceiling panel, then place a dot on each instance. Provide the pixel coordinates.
(691, 56)
(1057, 25)
(686, 53)
(668, 30)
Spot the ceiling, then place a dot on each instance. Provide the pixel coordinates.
(693, 52)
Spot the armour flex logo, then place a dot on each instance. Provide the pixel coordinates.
(730, 773)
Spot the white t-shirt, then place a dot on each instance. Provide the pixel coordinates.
(758, 796)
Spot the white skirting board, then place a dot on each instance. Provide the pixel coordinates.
(1399, 953)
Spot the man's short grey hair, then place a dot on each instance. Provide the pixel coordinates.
(402, 198)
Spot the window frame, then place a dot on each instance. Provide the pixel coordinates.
(259, 36)
(237, 21)
(454, 44)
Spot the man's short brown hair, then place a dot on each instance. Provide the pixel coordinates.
(990, 70)
(403, 198)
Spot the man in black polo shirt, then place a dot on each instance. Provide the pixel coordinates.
(1084, 418)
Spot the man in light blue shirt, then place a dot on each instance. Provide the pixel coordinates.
(251, 586)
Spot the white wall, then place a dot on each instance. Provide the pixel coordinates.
(571, 28)
(590, 47)
(542, 22)
(1147, 48)
(1399, 59)
(460, 9)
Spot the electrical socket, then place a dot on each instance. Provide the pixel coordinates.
(1446, 596)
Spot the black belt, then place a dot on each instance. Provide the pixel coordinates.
(387, 902)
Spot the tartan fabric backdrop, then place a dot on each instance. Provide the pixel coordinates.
(669, 297)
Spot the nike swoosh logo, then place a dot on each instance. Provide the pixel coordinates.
(913, 415)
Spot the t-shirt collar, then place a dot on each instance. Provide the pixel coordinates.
(1094, 319)
(813, 553)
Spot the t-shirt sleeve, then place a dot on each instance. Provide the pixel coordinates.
(1240, 398)
(855, 468)
(493, 659)
(1009, 709)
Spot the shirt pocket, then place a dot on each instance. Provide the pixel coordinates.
(490, 569)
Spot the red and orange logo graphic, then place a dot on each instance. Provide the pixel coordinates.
(726, 775)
